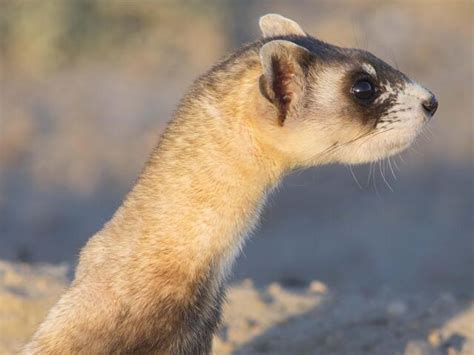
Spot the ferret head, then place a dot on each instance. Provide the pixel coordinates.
(336, 104)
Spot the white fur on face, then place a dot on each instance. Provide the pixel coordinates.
(397, 127)
(333, 130)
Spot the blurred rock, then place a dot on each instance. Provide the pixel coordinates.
(318, 287)
(435, 338)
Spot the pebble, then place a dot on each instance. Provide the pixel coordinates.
(435, 338)
(317, 287)
(274, 288)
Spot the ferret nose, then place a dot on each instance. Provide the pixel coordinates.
(430, 105)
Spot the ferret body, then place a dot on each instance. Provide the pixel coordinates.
(153, 279)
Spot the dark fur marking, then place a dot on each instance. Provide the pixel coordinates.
(281, 85)
(178, 328)
(322, 54)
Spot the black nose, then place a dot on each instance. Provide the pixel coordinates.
(431, 105)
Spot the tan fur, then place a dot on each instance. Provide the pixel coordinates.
(151, 280)
(198, 195)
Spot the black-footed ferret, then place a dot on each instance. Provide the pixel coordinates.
(153, 279)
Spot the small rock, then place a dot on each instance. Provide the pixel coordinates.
(397, 309)
(274, 288)
(317, 287)
(435, 338)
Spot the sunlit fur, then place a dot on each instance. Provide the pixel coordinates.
(152, 280)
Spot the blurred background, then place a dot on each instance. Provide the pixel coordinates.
(378, 259)
(88, 86)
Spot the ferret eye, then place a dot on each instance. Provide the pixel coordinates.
(363, 90)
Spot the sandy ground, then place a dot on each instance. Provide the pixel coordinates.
(308, 319)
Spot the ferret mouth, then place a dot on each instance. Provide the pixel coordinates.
(384, 143)
(397, 147)
(398, 139)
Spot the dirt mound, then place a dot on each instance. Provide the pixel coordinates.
(301, 319)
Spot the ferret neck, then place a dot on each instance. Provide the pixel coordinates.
(202, 191)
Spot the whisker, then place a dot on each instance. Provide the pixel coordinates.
(366, 44)
(414, 149)
(394, 59)
(354, 34)
(389, 52)
(425, 135)
(383, 175)
(429, 131)
(375, 182)
(370, 172)
(335, 146)
(396, 165)
(354, 177)
(368, 134)
(365, 135)
(391, 168)
(401, 159)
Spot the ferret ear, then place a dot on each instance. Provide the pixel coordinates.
(283, 79)
(273, 25)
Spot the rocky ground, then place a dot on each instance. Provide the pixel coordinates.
(298, 319)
